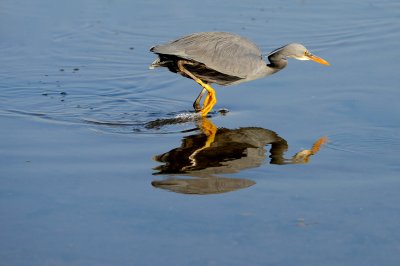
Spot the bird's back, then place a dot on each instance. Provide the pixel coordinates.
(224, 52)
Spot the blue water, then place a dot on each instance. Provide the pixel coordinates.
(102, 161)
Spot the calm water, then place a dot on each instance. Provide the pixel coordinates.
(103, 163)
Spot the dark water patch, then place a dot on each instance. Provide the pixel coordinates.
(202, 186)
(40, 115)
(146, 123)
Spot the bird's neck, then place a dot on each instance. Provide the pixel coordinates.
(273, 67)
(277, 61)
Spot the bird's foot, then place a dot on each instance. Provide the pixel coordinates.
(211, 101)
(197, 107)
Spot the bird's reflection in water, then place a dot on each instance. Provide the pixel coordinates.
(220, 151)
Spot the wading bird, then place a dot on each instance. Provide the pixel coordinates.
(223, 58)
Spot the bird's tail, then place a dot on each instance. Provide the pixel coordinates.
(155, 64)
(160, 63)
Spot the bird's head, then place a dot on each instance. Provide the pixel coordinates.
(299, 52)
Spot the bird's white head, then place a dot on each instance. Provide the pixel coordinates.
(299, 52)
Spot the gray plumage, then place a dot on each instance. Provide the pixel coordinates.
(224, 52)
(231, 55)
(228, 57)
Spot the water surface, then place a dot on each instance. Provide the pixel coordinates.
(102, 161)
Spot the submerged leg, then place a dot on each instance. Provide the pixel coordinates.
(196, 104)
(211, 99)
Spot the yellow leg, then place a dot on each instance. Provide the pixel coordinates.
(211, 99)
(207, 100)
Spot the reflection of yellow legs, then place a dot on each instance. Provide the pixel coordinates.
(210, 100)
(209, 129)
(304, 155)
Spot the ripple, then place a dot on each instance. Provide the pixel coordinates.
(376, 140)
(146, 123)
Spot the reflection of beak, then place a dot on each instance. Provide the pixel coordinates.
(317, 59)
(304, 155)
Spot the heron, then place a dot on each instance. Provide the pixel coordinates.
(225, 59)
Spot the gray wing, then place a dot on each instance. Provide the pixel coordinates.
(224, 52)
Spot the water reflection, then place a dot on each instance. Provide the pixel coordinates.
(216, 151)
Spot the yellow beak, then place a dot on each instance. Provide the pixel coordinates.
(317, 59)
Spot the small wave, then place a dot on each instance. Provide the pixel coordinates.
(366, 141)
